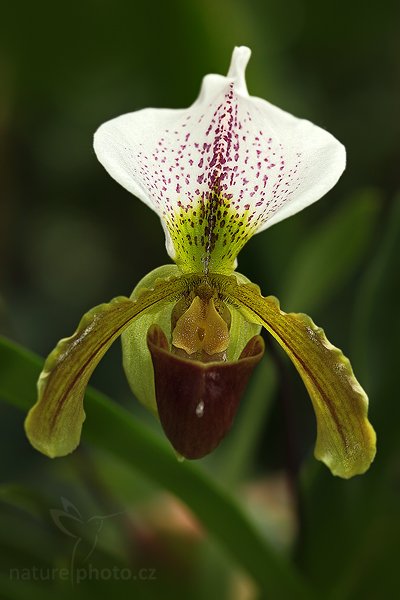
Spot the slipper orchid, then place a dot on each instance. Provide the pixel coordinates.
(216, 173)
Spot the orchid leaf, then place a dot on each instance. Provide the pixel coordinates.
(363, 523)
(238, 451)
(330, 253)
(54, 424)
(345, 438)
(379, 282)
(112, 429)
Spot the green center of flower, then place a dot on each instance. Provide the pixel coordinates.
(208, 236)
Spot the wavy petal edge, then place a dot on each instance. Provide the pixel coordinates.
(53, 425)
(346, 441)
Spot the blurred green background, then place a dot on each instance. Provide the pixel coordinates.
(71, 238)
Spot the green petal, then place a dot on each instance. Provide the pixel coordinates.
(54, 423)
(346, 441)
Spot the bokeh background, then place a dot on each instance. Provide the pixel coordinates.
(71, 238)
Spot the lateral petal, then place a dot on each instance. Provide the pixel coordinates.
(346, 441)
(54, 423)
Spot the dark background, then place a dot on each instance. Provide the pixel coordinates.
(71, 238)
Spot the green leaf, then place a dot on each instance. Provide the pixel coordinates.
(330, 253)
(238, 451)
(111, 428)
(358, 540)
(378, 293)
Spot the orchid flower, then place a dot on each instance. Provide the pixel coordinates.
(216, 173)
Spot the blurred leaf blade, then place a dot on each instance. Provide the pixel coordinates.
(239, 449)
(382, 272)
(329, 255)
(364, 522)
(112, 428)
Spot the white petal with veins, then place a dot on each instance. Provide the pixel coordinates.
(221, 170)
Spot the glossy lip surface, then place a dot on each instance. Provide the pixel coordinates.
(197, 401)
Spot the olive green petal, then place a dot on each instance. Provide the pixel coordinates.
(53, 425)
(346, 441)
